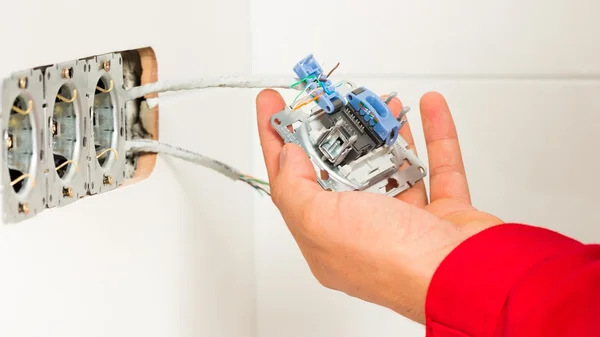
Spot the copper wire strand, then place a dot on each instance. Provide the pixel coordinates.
(109, 150)
(24, 112)
(304, 104)
(300, 105)
(332, 70)
(22, 177)
(110, 88)
(64, 99)
(67, 163)
(304, 99)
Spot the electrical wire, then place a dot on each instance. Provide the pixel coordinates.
(256, 82)
(153, 146)
(302, 101)
(308, 102)
(332, 70)
(297, 104)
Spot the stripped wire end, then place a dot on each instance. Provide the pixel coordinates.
(314, 94)
(260, 186)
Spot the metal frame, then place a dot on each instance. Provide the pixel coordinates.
(32, 141)
(103, 179)
(62, 192)
(358, 175)
(32, 200)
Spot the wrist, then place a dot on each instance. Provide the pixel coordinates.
(414, 271)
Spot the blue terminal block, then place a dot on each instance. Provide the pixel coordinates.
(311, 73)
(376, 113)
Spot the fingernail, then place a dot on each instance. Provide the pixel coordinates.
(282, 156)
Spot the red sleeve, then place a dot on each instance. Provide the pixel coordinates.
(515, 280)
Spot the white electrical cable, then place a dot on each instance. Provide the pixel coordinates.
(152, 102)
(249, 82)
(153, 146)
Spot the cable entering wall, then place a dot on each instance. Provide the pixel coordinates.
(153, 146)
(249, 82)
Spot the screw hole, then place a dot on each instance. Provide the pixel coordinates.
(277, 121)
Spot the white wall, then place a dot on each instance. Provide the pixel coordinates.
(173, 256)
(523, 81)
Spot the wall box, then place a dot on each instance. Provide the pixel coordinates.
(65, 126)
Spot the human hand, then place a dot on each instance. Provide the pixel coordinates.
(379, 249)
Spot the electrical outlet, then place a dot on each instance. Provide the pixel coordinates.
(65, 128)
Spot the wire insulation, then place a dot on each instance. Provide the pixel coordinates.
(153, 146)
(256, 82)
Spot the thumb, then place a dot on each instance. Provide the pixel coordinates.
(296, 181)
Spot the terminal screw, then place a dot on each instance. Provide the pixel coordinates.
(68, 192)
(24, 208)
(106, 66)
(66, 73)
(9, 142)
(23, 82)
(108, 180)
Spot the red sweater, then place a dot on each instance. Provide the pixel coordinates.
(516, 281)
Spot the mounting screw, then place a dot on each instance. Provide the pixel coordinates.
(66, 73)
(106, 66)
(24, 208)
(53, 128)
(23, 82)
(68, 192)
(108, 180)
(9, 142)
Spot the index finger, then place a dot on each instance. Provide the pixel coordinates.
(268, 103)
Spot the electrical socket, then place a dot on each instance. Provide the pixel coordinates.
(65, 128)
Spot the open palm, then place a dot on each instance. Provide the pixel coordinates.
(380, 249)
